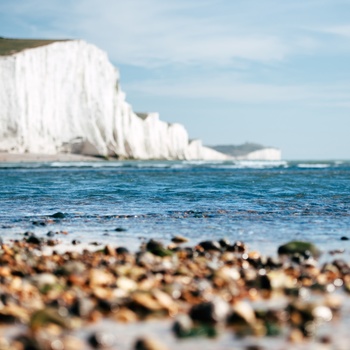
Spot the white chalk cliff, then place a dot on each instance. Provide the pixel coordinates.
(65, 97)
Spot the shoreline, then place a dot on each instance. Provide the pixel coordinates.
(61, 157)
(216, 293)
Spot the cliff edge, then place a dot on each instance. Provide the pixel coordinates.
(64, 97)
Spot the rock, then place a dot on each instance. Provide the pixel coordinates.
(58, 215)
(102, 340)
(122, 250)
(144, 302)
(237, 247)
(147, 343)
(100, 277)
(126, 284)
(183, 326)
(82, 307)
(243, 319)
(210, 245)
(50, 234)
(46, 316)
(306, 316)
(72, 267)
(120, 229)
(210, 312)
(43, 280)
(109, 250)
(39, 223)
(33, 239)
(299, 247)
(157, 248)
(344, 238)
(27, 342)
(224, 243)
(179, 239)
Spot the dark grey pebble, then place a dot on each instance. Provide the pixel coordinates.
(39, 223)
(122, 250)
(58, 215)
(102, 340)
(344, 238)
(210, 245)
(33, 239)
(120, 229)
(210, 312)
(82, 307)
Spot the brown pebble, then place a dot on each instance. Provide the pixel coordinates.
(147, 343)
(179, 239)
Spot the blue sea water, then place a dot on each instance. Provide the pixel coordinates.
(261, 203)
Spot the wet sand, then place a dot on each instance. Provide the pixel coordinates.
(63, 157)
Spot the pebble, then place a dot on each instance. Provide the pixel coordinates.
(206, 288)
(148, 343)
(58, 215)
(102, 340)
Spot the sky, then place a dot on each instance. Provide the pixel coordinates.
(232, 71)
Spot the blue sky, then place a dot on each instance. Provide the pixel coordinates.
(268, 71)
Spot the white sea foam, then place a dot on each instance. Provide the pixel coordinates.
(314, 165)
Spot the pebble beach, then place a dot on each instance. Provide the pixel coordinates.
(165, 296)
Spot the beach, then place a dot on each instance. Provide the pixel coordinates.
(217, 293)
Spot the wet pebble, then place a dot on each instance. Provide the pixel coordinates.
(210, 312)
(58, 215)
(148, 343)
(102, 340)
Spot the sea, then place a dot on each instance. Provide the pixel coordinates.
(125, 203)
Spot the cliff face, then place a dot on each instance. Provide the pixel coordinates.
(65, 97)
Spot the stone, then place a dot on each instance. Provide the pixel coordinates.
(299, 247)
(157, 248)
(122, 250)
(58, 215)
(148, 343)
(179, 239)
(102, 340)
(210, 312)
(210, 245)
(46, 316)
(183, 326)
(33, 239)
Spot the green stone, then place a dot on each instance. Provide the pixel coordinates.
(299, 247)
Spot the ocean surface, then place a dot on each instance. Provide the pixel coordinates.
(261, 203)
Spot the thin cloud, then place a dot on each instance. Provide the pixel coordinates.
(153, 33)
(343, 30)
(222, 88)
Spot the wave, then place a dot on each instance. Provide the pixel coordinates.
(314, 165)
(178, 165)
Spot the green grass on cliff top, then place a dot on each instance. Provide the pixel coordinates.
(12, 46)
